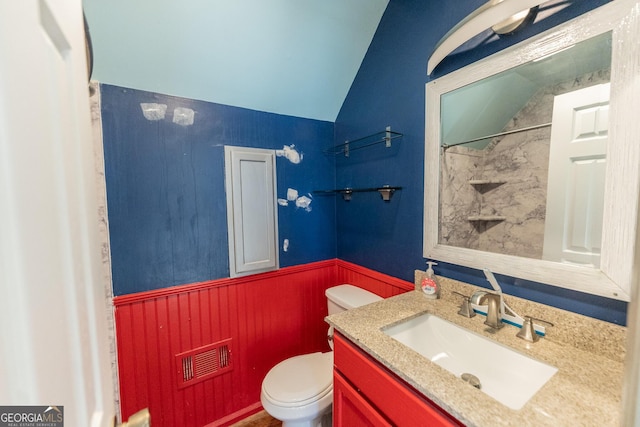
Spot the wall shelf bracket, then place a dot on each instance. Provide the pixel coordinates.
(385, 191)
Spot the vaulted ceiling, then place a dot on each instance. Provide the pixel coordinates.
(292, 57)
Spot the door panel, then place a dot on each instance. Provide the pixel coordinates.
(53, 347)
(577, 165)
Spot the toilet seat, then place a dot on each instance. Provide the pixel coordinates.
(299, 380)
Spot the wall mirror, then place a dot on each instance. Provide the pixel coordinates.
(531, 157)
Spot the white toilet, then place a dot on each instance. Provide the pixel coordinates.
(299, 391)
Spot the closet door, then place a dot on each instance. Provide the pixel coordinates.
(251, 210)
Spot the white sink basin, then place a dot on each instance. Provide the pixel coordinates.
(504, 374)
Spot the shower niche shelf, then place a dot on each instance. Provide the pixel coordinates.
(486, 218)
(385, 191)
(385, 136)
(483, 186)
(487, 181)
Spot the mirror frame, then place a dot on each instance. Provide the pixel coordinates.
(622, 180)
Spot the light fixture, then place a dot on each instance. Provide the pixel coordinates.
(504, 15)
(515, 22)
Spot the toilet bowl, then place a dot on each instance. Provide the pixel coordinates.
(299, 391)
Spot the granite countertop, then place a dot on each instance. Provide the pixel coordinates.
(588, 353)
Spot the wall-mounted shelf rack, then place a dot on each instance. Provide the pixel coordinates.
(385, 191)
(385, 136)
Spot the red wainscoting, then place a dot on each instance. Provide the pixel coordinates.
(378, 283)
(267, 318)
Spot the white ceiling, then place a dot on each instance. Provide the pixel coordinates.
(292, 57)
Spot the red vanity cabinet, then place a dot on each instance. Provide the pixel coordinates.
(367, 394)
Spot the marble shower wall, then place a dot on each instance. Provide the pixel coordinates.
(515, 169)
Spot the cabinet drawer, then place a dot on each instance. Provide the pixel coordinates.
(394, 398)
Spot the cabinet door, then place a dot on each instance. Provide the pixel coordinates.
(351, 409)
(251, 210)
(387, 393)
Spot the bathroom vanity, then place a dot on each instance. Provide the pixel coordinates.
(380, 381)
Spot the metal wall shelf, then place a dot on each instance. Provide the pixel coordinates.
(385, 136)
(385, 191)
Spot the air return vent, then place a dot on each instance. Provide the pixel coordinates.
(202, 363)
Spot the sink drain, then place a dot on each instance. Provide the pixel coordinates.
(471, 379)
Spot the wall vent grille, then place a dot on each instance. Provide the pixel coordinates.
(203, 362)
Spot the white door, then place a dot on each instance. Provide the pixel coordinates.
(577, 164)
(250, 180)
(53, 342)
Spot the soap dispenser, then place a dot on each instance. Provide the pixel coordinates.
(430, 286)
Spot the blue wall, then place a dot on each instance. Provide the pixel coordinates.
(166, 196)
(390, 90)
(165, 182)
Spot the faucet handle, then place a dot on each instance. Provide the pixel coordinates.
(528, 332)
(465, 308)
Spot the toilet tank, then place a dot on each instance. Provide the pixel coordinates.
(344, 297)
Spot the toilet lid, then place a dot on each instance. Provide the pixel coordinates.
(300, 379)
